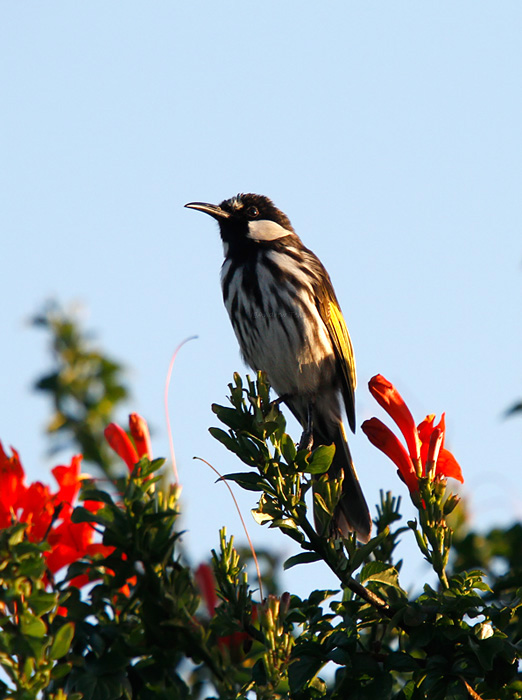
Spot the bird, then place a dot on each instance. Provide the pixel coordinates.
(288, 322)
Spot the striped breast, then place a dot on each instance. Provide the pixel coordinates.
(271, 302)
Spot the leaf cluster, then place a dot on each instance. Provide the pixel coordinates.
(34, 638)
(384, 643)
(84, 386)
(140, 628)
(136, 625)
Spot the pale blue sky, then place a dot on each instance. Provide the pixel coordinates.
(390, 133)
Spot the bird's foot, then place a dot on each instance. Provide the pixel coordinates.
(307, 438)
(307, 441)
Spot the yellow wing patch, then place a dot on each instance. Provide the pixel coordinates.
(336, 325)
(339, 333)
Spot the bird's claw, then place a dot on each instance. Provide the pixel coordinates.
(306, 442)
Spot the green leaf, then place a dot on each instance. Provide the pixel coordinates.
(269, 428)
(303, 670)
(252, 449)
(303, 558)
(32, 626)
(400, 661)
(294, 534)
(319, 502)
(97, 495)
(285, 523)
(261, 518)
(224, 438)
(288, 526)
(233, 418)
(363, 552)
(99, 687)
(61, 670)
(42, 602)
(320, 595)
(321, 459)
(380, 573)
(16, 533)
(82, 515)
(62, 641)
(288, 448)
(248, 481)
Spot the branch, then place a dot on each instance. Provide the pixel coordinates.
(318, 546)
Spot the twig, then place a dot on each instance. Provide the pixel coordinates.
(370, 597)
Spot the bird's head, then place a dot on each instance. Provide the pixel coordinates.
(247, 219)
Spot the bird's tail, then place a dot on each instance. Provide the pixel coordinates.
(351, 514)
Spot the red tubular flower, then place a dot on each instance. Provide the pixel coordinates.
(121, 444)
(69, 480)
(13, 488)
(232, 644)
(141, 435)
(446, 464)
(389, 398)
(205, 579)
(385, 440)
(433, 452)
(425, 442)
(47, 514)
(69, 542)
(36, 508)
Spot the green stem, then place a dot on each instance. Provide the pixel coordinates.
(318, 545)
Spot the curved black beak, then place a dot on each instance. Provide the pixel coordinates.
(213, 210)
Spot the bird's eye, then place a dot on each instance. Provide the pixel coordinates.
(252, 212)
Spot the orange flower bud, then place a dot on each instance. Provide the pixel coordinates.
(141, 435)
(385, 440)
(121, 444)
(389, 398)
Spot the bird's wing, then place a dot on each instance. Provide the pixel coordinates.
(332, 316)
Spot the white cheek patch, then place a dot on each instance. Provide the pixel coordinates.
(266, 230)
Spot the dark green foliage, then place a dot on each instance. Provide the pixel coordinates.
(33, 639)
(445, 643)
(147, 628)
(84, 386)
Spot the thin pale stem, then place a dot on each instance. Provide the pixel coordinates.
(166, 402)
(254, 555)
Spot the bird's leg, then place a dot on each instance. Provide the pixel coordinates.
(307, 439)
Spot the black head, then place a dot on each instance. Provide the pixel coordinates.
(247, 219)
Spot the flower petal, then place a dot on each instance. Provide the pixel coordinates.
(447, 465)
(121, 444)
(426, 428)
(205, 579)
(385, 440)
(37, 511)
(12, 485)
(433, 451)
(69, 481)
(389, 398)
(141, 435)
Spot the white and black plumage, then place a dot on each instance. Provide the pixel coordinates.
(289, 324)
